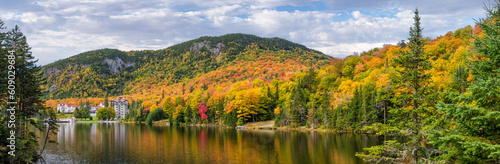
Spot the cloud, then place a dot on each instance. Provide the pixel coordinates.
(58, 29)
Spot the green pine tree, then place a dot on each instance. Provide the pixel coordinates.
(86, 110)
(231, 119)
(76, 113)
(413, 106)
(3, 61)
(468, 131)
(28, 93)
(149, 119)
(106, 102)
(460, 78)
(324, 105)
(296, 106)
(269, 104)
(188, 116)
(354, 111)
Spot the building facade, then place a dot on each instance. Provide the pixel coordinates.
(65, 108)
(121, 106)
(93, 109)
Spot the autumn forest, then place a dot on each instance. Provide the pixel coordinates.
(442, 95)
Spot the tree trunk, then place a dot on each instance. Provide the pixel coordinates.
(416, 126)
(45, 142)
(324, 118)
(416, 144)
(385, 107)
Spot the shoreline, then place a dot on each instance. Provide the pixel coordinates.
(247, 126)
(250, 126)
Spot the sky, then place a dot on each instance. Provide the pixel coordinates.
(57, 29)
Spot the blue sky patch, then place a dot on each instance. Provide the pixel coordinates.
(315, 6)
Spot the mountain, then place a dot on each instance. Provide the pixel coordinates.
(95, 73)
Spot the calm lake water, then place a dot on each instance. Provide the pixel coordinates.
(131, 143)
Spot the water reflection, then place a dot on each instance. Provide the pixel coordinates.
(130, 143)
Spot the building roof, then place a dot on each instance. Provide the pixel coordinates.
(64, 104)
(119, 99)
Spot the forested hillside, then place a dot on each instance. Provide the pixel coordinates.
(444, 90)
(115, 72)
(261, 79)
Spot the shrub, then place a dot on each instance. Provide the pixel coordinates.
(157, 115)
(149, 119)
(240, 122)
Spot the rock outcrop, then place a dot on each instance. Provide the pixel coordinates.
(197, 46)
(117, 64)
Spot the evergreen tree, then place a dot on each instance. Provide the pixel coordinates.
(127, 116)
(333, 118)
(325, 103)
(231, 119)
(141, 116)
(373, 112)
(220, 109)
(383, 104)
(413, 81)
(276, 92)
(363, 106)
(468, 130)
(28, 78)
(149, 119)
(106, 102)
(341, 118)
(460, 78)
(85, 112)
(354, 112)
(157, 114)
(188, 116)
(269, 104)
(297, 107)
(3, 62)
(76, 113)
(133, 114)
(370, 100)
(28, 81)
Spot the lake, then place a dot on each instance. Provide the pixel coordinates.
(137, 143)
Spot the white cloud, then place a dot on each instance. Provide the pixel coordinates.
(342, 50)
(31, 17)
(61, 28)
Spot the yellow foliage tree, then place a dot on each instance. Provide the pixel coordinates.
(148, 104)
(374, 63)
(168, 106)
(153, 108)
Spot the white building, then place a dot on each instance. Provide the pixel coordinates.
(121, 106)
(65, 108)
(93, 109)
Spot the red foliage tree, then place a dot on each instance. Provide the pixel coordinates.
(202, 109)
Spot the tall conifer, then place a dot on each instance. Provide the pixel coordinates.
(469, 128)
(413, 105)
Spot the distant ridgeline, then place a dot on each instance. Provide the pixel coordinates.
(95, 73)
